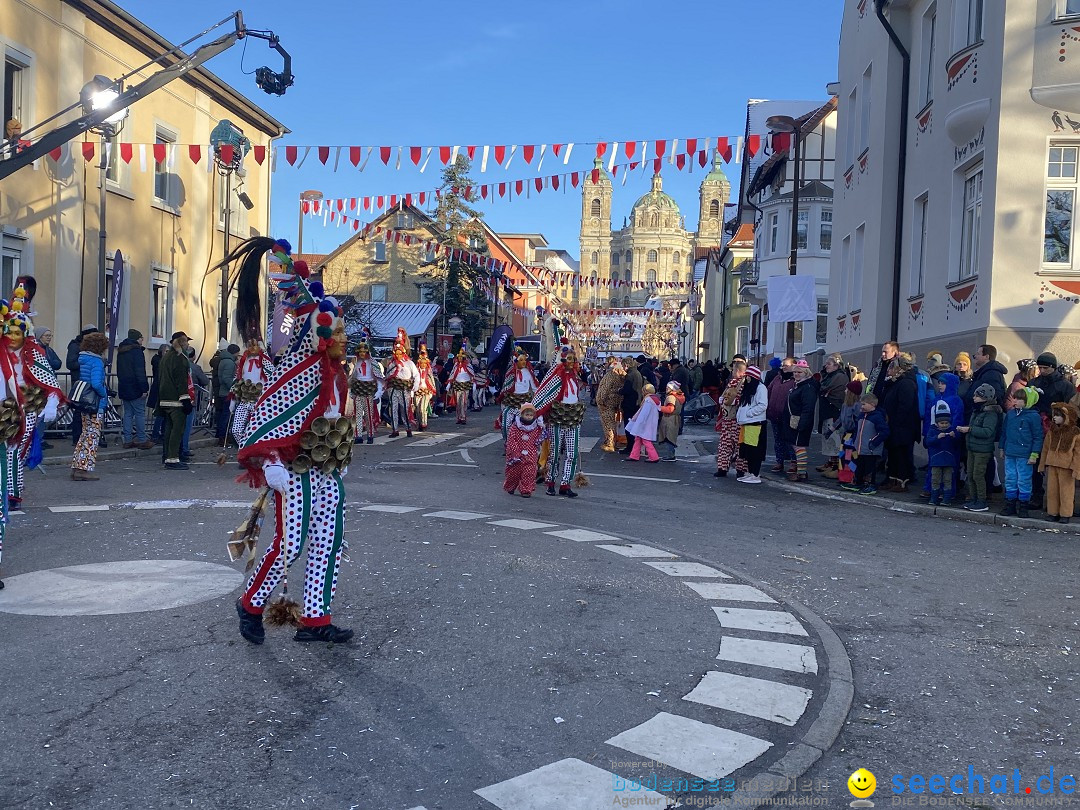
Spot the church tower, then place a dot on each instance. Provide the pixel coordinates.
(595, 234)
(714, 192)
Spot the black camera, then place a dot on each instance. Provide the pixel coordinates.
(274, 83)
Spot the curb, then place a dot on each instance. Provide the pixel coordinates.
(951, 512)
(54, 460)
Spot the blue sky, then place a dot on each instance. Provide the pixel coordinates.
(490, 72)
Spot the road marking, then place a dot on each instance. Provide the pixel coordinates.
(424, 464)
(482, 441)
(514, 523)
(730, 593)
(230, 504)
(703, 750)
(463, 453)
(433, 439)
(568, 784)
(638, 550)
(164, 504)
(775, 654)
(98, 508)
(763, 621)
(592, 474)
(450, 514)
(387, 507)
(587, 443)
(582, 535)
(126, 586)
(687, 569)
(769, 700)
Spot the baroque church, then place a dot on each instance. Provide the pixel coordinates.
(653, 245)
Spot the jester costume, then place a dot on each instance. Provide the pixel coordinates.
(403, 380)
(298, 444)
(461, 383)
(366, 386)
(558, 401)
(253, 370)
(518, 387)
(427, 388)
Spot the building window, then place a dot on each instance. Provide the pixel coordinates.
(378, 293)
(656, 220)
(650, 277)
(614, 302)
(857, 269)
(626, 301)
(404, 219)
(1067, 9)
(802, 229)
(851, 116)
(163, 181)
(160, 299)
(774, 231)
(477, 243)
(594, 207)
(380, 250)
(615, 276)
(972, 224)
(974, 22)
(845, 275)
(629, 257)
(690, 279)
(929, 37)
(675, 257)
(689, 260)
(822, 335)
(825, 230)
(1060, 195)
(11, 264)
(112, 171)
(714, 208)
(918, 249)
(864, 118)
(594, 259)
(629, 275)
(652, 256)
(429, 255)
(614, 259)
(674, 276)
(16, 86)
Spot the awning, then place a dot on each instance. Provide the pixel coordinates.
(382, 319)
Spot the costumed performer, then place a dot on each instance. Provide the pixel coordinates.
(298, 445)
(522, 451)
(366, 385)
(461, 383)
(558, 399)
(426, 390)
(403, 380)
(519, 385)
(253, 371)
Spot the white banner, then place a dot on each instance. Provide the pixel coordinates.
(792, 298)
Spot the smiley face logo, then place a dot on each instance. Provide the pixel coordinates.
(862, 784)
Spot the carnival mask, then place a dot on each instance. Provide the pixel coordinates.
(16, 335)
(338, 341)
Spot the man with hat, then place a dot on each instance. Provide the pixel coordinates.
(174, 398)
(1052, 387)
(132, 387)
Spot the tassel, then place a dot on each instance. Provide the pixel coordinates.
(580, 480)
(282, 612)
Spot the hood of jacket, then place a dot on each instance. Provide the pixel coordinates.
(952, 384)
(127, 345)
(990, 367)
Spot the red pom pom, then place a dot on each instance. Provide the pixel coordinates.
(565, 341)
(324, 344)
(301, 269)
(324, 319)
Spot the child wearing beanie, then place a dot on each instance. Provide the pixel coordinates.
(981, 434)
(1021, 442)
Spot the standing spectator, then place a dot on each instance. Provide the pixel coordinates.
(44, 336)
(727, 445)
(696, 376)
(667, 433)
(632, 386)
(596, 373)
(174, 402)
(779, 388)
(663, 375)
(801, 404)
(158, 430)
(774, 370)
(1052, 387)
(962, 369)
(91, 365)
(132, 387)
(834, 382)
(1021, 442)
(226, 377)
(987, 370)
(680, 375)
(1060, 462)
(710, 381)
(72, 361)
(198, 384)
(981, 435)
(753, 405)
(646, 369)
(1026, 371)
(901, 406)
(875, 383)
(871, 433)
(943, 448)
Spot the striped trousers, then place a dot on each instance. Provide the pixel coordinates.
(365, 416)
(17, 458)
(399, 408)
(563, 458)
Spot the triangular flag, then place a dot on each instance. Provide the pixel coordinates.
(324, 154)
(444, 154)
(555, 182)
(259, 152)
(290, 155)
(527, 152)
(575, 178)
(471, 152)
(703, 158)
(354, 155)
(724, 149)
(539, 182)
(56, 153)
(753, 144)
(159, 152)
(125, 152)
(660, 147)
(415, 152)
(691, 145)
(629, 147)
(384, 153)
(227, 153)
(502, 189)
(500, 154)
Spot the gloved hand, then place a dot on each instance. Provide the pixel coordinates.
(277, 477)
(187, 406)
(49, 414)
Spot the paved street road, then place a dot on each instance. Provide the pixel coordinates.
(517, 653)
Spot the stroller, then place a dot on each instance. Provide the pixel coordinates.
(701, 410)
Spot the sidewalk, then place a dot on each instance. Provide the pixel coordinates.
(61, 450)
(821, 487)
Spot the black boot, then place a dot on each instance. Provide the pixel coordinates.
(370, 439)
(327, 632)
(408, 433)
(1022, 509)
(551, 490)
(251, 626)
(1009, 510)
(569, 493)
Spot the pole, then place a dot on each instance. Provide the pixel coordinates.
(793, 257)
(300, 229)
(223, 318)
(102, 282)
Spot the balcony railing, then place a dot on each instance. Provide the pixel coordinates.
(749, 273)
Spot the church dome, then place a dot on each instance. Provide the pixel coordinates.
(717, 174)
(656, 198)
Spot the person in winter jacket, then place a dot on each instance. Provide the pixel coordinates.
(44, 336)
(871, 432)
(901, 406)
(223, 381)
(643, 426)
(943, 447)
(91, 365)
(753, 405)
(1060, 461)
(667, 432)
(632, 385)
(158, 430)
(175, 400)
(985, 370)
(801, 403)
(72, 362)
(1052, 387)
(1021, 442)
(727, 444)
(981, 435)
(945, 386)
(962, 369)
(779, 388)
(834, 380)
(132, 387)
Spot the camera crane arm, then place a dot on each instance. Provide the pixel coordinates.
(12, 159)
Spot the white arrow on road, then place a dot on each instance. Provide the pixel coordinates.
(462, 452)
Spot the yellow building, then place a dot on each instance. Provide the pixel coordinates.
(166, 218)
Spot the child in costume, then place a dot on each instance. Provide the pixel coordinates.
(644, 424)
(522, 451)
(1060, 461)
(1021, 442)
(299, 446)
(982, 435)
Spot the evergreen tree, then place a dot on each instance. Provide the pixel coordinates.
(460, 223)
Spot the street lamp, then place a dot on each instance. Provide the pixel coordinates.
(785, 123)
(698, 316)
(100, 93)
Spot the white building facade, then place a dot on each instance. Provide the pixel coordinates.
(964, 234)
